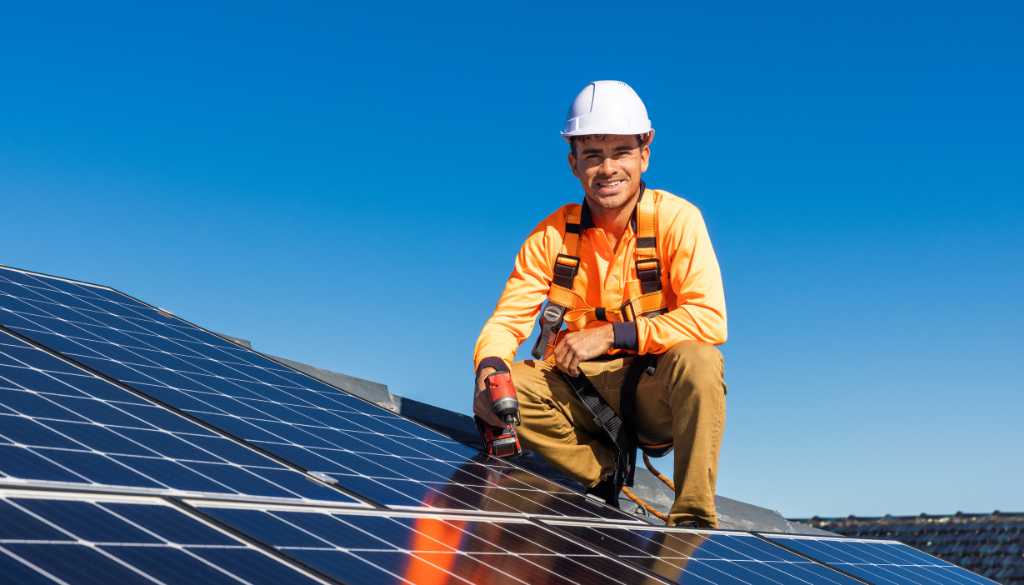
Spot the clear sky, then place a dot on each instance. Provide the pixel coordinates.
(347, 185)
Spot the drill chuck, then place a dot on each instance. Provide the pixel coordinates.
(504, 400)
(507, 409)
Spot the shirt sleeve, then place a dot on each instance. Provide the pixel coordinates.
(696, 279)
(525, 292)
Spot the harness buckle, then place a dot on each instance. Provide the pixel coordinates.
(648, 272)
(550, 322)
(566, 268)
(645, 267)
(627, 312)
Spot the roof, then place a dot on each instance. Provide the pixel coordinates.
(137, 447)
(991, 545)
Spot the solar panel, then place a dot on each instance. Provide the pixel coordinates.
(62, 425)
(882, 562)
(702, 556)
(366, 449)
(138, 448)
(383, 548)
(84, 539)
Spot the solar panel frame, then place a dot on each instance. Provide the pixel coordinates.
(75, 440)
(477, 472)
(881, 573)
(165, 546)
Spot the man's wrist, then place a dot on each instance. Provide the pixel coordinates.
(491, 362)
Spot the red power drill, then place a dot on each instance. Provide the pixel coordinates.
(501, 441)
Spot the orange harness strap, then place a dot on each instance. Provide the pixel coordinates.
(561, 296)
(649, 300)
(566, 305)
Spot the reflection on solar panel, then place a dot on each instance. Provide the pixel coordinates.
(117, 540)
(379, 548)
(882, 562)
(59, 423)
(138, 448)
(701, 556)
(365, 448)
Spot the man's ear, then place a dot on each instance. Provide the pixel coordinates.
(645, 152)
(572, 166)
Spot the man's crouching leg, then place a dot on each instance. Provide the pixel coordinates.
(685, 401)
(557, 426)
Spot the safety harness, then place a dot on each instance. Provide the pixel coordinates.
(644, 297)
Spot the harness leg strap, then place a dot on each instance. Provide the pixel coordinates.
(627, 408)
(620, 430)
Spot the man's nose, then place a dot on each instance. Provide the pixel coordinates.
(608, 167)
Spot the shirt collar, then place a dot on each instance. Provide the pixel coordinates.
(588, 222)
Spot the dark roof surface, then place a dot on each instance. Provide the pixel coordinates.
(991, 545)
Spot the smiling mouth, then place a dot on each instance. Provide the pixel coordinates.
(610, 184)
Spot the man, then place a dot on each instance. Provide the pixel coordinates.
(632, 273)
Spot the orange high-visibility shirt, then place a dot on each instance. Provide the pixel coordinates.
(691, 281)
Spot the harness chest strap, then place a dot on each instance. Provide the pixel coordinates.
(644, 296)
(649, 301)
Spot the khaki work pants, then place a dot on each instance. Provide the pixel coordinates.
(683, 403)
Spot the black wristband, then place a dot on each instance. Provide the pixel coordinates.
(626, 336)
(492, 362)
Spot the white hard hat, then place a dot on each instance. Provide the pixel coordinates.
(606, 107)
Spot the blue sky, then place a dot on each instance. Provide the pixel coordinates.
(347, 185)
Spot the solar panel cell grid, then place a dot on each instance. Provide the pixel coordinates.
(62, 426)
(358, 549)
(367, 449)
(47, 540)
(59, 423)
(882, 562)
(684, 556)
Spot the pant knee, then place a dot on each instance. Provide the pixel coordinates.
(530, 377)
(698, 353)
(699, 365)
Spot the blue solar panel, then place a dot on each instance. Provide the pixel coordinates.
(77, 541)
(701, 556)
(365, 448)
(882, 562)
(63, 427)
(382, 548)
(59, 423)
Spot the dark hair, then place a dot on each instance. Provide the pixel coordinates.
(641, 139)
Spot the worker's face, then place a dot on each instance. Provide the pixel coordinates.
(609, 168)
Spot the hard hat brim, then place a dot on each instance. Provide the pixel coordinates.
(613, 130)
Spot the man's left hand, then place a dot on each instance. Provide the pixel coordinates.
(582, 345)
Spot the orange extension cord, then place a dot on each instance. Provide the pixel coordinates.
(647, 506)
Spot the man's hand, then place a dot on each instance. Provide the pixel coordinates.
(482, 400)
(582, 345)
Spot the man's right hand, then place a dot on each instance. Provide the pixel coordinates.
(482, 400)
